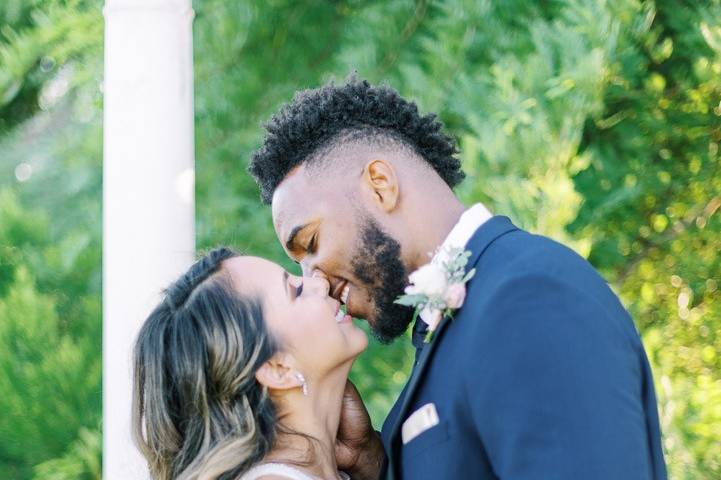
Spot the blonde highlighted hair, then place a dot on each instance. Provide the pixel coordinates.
(198, 411)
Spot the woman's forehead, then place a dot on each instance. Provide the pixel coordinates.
(249, 272)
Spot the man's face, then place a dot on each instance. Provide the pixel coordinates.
(323, 226)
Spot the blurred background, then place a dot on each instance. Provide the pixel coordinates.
(595, 122)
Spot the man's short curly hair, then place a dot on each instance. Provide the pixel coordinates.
(319, 117)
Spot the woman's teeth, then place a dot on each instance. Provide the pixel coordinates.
(340, 315)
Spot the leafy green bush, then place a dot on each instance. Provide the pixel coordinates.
(596, 122)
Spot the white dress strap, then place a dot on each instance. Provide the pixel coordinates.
(275, 469)
(280, 469)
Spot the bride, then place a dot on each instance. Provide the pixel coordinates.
(240, 372)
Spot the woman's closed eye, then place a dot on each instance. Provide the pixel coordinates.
(299, 290)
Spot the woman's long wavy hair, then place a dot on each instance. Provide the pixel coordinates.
(198, 411)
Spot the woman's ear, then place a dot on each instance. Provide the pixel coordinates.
(380, 180)
(278, 374)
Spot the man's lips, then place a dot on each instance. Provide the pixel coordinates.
(351, 309)
(338, 289)
(341, 292)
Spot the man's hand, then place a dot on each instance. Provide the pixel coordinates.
(358, 448)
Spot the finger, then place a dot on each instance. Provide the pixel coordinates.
(351, 390)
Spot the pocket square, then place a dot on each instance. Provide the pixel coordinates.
(418, 422)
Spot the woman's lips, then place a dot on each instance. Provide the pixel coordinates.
(342, 317)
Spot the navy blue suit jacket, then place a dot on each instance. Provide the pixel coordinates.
(540, 375)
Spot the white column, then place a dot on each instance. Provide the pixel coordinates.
(148, 187)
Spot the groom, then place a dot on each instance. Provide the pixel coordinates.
(539, 374)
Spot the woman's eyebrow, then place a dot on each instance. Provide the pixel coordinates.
(285, 283)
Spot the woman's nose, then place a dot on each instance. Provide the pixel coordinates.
(319, 283)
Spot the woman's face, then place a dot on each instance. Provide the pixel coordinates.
(300, 314)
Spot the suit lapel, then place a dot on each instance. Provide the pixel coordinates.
(482, 238)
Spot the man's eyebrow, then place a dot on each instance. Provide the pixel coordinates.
(294, 233)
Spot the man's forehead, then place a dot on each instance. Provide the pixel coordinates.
(294, 200)
(307, 189)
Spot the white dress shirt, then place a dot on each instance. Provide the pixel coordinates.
(459, 236)
(462, 232)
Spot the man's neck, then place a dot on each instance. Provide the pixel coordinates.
(438, 223)
(316, 415)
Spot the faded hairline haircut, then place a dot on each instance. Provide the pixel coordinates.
(320, 118)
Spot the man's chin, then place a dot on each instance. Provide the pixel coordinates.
(387, 332)
(371, 321)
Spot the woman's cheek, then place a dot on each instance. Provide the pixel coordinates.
(362, 339)
(313, 321)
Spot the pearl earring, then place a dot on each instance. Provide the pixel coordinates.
(303, 383)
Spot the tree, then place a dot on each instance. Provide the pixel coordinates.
(595, 122)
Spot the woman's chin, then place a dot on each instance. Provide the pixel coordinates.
(358, 340)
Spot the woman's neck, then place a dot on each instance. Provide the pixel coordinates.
(316, 415)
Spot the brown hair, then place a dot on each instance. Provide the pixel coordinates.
(198, 411)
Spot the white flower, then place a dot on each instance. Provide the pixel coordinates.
(432, 317)
(428, 280)
(455, 295)
(438, 288)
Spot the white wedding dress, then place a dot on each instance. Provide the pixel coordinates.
(281, 469)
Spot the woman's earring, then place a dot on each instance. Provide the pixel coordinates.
(303, 383)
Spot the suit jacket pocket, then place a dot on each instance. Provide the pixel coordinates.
(433, 436)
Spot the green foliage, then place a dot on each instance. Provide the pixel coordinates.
(654, 183)
(50, 241)
(37, 39)
(596, 122)
(49, 369)
(55, 400)
(83, 460)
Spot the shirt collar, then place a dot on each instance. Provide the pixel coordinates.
(459, 236)
(464, 229)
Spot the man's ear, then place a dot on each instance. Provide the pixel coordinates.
(278, 374)
(381, 182)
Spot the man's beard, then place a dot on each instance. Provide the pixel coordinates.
(377, 263)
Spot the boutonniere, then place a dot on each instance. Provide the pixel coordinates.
(438, 288)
